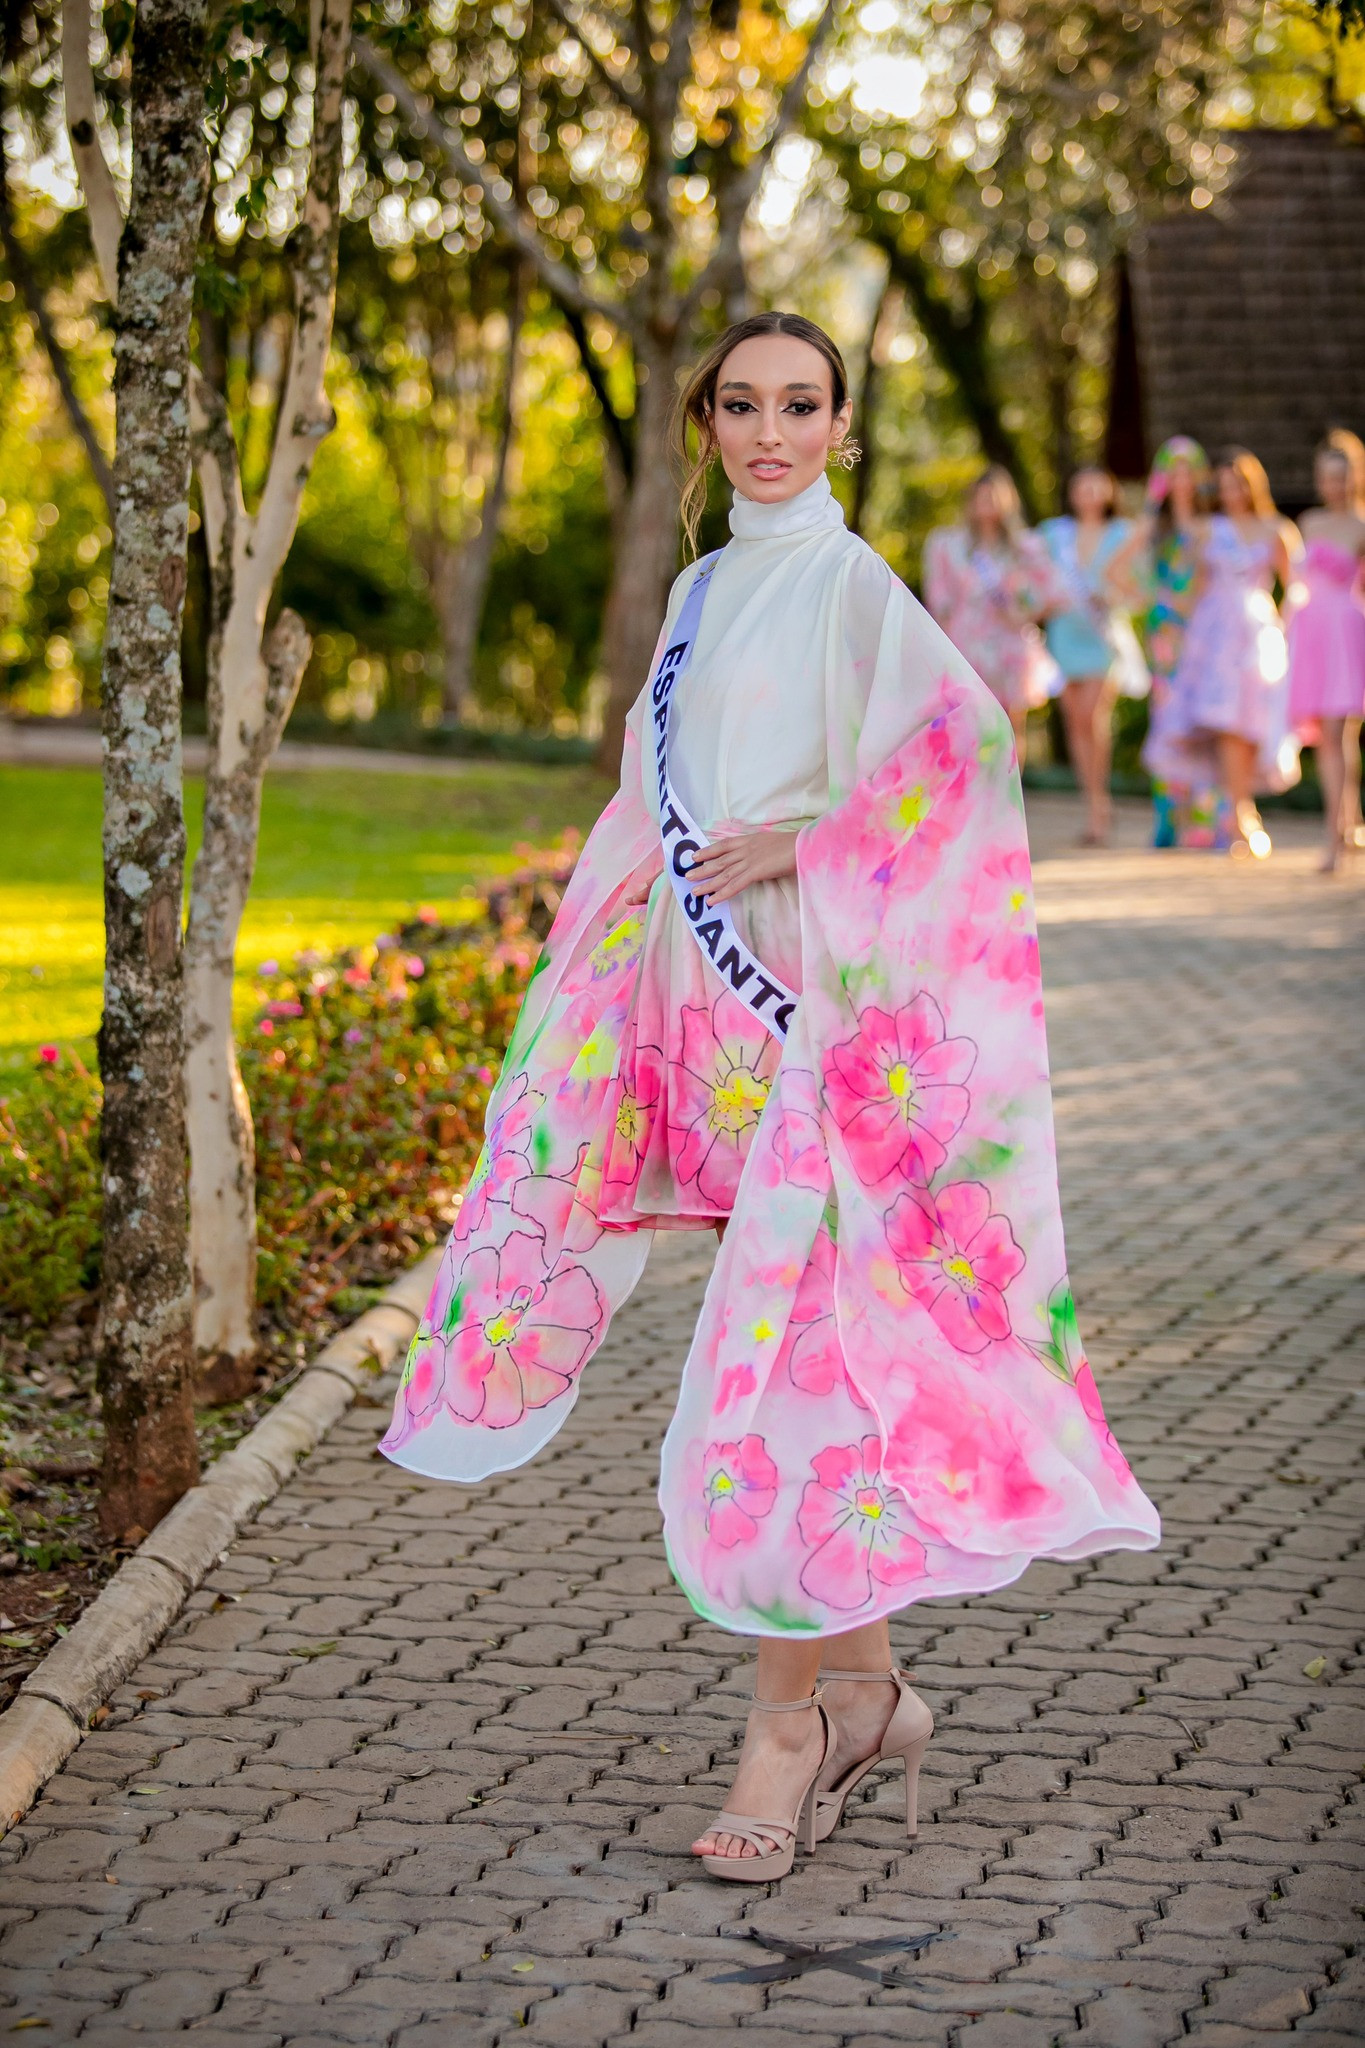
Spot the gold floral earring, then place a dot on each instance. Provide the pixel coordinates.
(848, 453)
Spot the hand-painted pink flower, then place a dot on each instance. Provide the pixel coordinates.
(798, 1140)
(896, 1093)
(956, 1258)
(419, 1394)
(517, 1332)
(961, 1458)
(739, 1482)
(1001, 932)
(716, 1096)
(504, 1159)
(811, 1350)
(637, 1102)
(1084, 1384)
(857, 1527)
(549, 1203)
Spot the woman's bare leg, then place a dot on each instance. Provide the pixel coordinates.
(1086, 707)
(1331, 751)
(1350, 801)
(1019, 720)
(780, 1750)
(1237, 766)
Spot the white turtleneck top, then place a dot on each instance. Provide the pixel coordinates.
(752, 715)
(749, 719)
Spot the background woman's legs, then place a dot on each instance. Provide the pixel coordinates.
(780, 1750)
(1237, 765)
(1087, 706)
(1350, 801)
(1331, 752)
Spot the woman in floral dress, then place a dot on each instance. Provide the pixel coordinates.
(793, 988)
(1232, 684)
(988, 582)
(1183, 768)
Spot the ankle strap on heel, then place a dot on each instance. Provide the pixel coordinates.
(870, 1677)
(787, 1706)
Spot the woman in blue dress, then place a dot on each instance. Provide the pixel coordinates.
(1092, 640)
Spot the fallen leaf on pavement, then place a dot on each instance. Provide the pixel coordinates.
(1315, 1667)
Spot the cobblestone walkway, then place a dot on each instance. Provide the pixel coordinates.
(419, 1765)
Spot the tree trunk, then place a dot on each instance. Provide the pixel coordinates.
(960, 339)
(146, 1351)
(251, 692)
(462, 579)
(222, 1141)
(645, 557)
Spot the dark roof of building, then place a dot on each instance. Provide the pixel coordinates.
(1250, 316)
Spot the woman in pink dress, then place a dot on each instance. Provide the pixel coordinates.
(1327, 636)
(988, 582)
(1232, 682)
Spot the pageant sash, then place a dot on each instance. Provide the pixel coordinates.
(766, 998)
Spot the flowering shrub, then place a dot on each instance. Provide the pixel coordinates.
(368, 1072)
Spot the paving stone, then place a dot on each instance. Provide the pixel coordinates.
(1140, 1818)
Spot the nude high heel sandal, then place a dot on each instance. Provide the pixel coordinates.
(906, 1737)
(772, 1862)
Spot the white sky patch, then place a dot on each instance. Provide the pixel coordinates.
(887, 85)
(784, 184)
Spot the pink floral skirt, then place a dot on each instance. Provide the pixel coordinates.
(694, 1072)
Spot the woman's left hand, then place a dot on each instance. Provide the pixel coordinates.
(729, 865)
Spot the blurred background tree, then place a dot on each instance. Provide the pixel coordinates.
(950, 197)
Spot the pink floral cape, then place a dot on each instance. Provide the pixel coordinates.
(886, 1399)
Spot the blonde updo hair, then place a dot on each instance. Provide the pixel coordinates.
(696, 406)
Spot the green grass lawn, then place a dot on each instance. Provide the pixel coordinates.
(343, 856)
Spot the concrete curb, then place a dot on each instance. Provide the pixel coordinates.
(52, 1711)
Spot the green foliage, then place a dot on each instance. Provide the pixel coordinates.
(368, 1070)
(49, 1187)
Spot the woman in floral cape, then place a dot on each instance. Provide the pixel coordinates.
(885, 1400)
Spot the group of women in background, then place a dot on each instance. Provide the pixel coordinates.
(1237, 682)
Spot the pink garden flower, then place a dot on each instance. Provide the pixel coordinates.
(957, 1259)
(504, 1159)
(518, 1331)
(740, 1485)
(49, 1055)
(858, 1528)
(717, 1094)
(896, 1093)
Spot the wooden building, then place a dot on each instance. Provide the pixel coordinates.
(1246, 322)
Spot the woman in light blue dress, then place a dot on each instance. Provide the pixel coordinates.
(1092, 639)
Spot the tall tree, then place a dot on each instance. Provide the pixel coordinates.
(254, 667)
(651, 130)
(147, 1354)
(999, 171)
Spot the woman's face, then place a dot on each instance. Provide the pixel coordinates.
(1332, 474)
(1184, 490)
(984, 512)
(775, 418)
(1091, 493)
(1233, 495)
